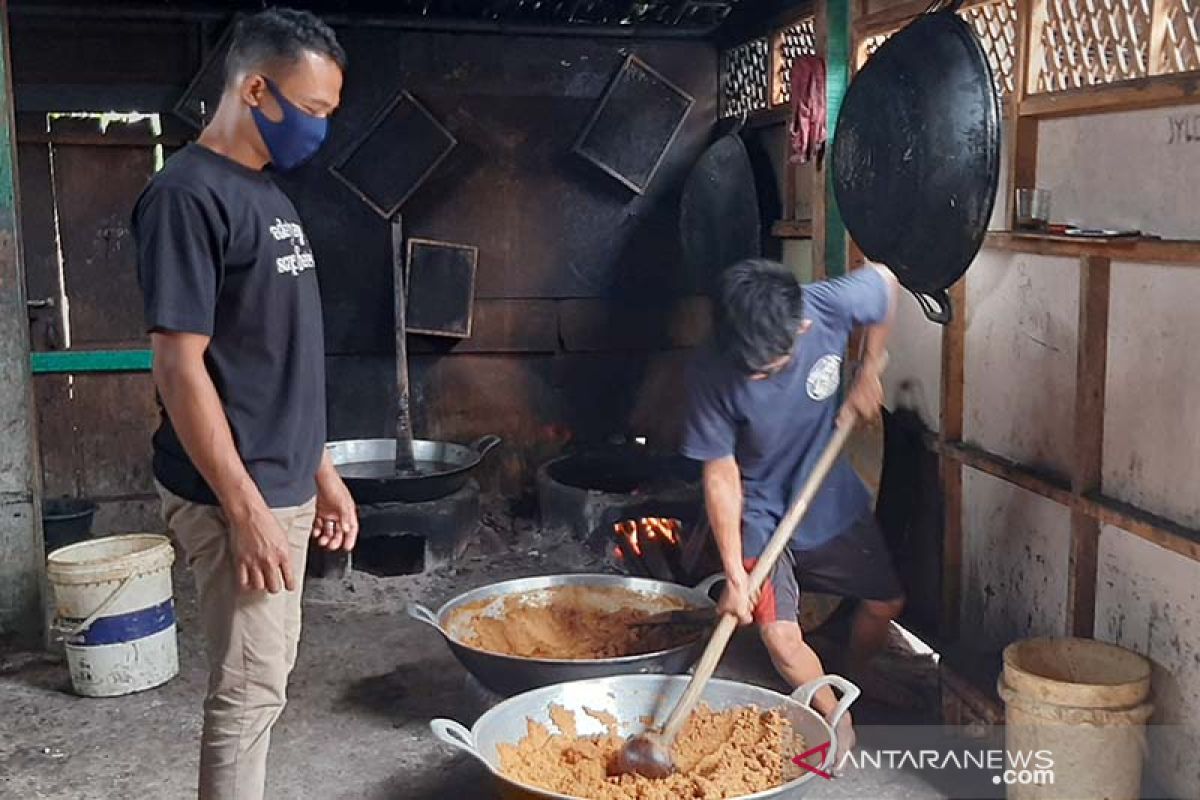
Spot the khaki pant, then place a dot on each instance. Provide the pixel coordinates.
(251, 640)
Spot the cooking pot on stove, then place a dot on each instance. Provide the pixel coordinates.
(630, 698)
(508, 674)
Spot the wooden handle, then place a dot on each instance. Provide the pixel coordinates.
(404, 434)
(766, 562)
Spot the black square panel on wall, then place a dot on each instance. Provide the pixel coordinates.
(199, 101)
(634, 124)
(441, 288)
(399, 149)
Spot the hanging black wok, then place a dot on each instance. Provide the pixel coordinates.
(719, 221)
(916, 157)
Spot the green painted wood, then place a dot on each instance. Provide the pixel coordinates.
(837, 68)
(81, 361)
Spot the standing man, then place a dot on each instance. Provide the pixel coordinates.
(234, 313)
(764, 404)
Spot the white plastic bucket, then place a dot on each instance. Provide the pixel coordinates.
(115, 612)
(1085, 704)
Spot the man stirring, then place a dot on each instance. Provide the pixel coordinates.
(764, 404)
(234, 313)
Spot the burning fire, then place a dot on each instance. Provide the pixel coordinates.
(633, 532)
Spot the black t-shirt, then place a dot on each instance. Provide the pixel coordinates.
(221, 253)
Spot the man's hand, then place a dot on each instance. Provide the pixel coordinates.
(736, 598)
(335, 527)
(865, 397)
(260, 552)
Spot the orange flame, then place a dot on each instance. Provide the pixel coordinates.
(634, 532)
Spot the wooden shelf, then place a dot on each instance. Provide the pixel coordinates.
(1179, 252)
(792, 229)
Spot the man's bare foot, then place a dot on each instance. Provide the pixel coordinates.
(846, 740)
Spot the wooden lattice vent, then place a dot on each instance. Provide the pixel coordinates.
(1181, 37)
(995, 23)
(1090, 42)
(789, 44)
(745, 78)
(996, 26)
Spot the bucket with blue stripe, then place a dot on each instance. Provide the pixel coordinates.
(115, 612)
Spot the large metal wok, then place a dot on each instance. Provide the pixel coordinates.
(916, 158)
(630, 698)
(368, 468)
(511, 674)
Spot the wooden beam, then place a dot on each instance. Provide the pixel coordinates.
(1153, 92)
(893, 17)
(1154, 528)
(1034, 55)
(1174, 252)
(1022, 142)
(1158, 35)
(1091, 370)
(793, 228)
(954, 342)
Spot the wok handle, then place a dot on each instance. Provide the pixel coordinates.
(423, 614)
(850, 693)
(484, 444)
(936, 306)
(708, 583)
(456, 735)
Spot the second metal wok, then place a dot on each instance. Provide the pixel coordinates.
(442, 468)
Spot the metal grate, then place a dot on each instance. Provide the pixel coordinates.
(745, 78)
(1090, 42)
(1181, 48)
(798, 40)
(996, 26)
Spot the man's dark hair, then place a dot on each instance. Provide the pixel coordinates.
(279, 35)
(758, 313)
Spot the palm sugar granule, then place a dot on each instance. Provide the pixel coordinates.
(719, 754)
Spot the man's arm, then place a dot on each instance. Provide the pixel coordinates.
(866, 396)
(723, 500)
(259, 544)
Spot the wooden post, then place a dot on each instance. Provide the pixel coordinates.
(1158, 37)
(1022, 142)
(954, 341)
(1091, 369)
(22, 567)
(821, 37)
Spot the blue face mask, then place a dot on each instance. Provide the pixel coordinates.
(295, 138)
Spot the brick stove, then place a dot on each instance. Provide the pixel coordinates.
(410, 538)
(639, 509)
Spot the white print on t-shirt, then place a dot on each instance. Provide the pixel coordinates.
(300, 259)
(824, 377)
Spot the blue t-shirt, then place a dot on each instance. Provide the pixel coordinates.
(776, 428)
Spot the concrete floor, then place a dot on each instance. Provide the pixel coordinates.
(367, 682)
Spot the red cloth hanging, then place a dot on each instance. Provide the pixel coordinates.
(808, 126)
